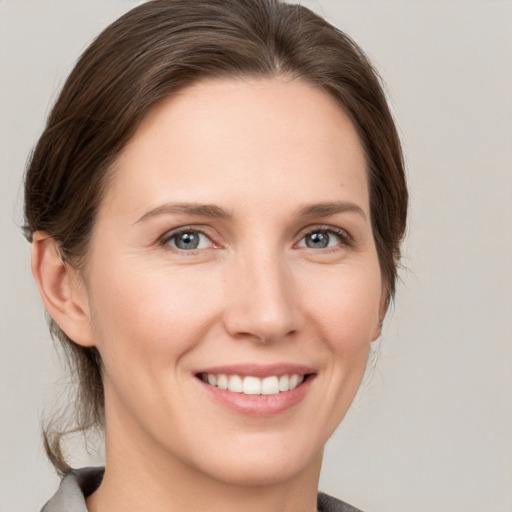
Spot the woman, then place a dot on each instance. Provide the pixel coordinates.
(216, 207)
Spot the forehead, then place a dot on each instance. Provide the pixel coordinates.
(220, 139)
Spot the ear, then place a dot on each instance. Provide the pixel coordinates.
(383, 307)
(62, 289)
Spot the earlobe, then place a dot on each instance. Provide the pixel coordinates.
(61, 289)
(383, 307)
(378, 330)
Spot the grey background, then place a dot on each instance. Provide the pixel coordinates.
(432, 428)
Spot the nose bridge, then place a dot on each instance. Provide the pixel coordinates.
(261, 299)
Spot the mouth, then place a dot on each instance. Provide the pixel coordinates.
(257, 390)
(254, 385)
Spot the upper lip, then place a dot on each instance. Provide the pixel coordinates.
(257, 370)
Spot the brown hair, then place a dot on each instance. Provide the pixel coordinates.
(151, 52)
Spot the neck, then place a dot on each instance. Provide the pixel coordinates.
(139, 477)
(141, 488)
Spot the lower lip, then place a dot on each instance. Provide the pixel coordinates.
(259, 405)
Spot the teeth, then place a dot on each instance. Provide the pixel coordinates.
(253, 385)
(222, 381)
(235, 384)
(270, 386)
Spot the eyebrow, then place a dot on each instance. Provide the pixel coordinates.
(329, 208)
(200, 210)
(324, 209)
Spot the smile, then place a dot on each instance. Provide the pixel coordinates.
(251, 385)
(257, 390)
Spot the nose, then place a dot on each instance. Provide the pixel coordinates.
(261, 299)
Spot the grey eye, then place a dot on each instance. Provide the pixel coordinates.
(320, 239)
(317, 240)
(189, 240)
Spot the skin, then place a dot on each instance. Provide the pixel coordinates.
(252, 292)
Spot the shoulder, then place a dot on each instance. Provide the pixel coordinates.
(327, 503)
(75, 486)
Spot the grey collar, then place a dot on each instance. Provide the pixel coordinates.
(75, 486)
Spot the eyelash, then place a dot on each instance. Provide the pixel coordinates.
(345, 238)
(165, 241)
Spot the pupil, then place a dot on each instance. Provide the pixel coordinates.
(318, 240)
(187, 241)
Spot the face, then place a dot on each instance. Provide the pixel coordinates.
(233, 284)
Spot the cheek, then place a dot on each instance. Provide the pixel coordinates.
(152, 312)
(346, 304)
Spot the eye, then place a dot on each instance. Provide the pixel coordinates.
(187, 240)
(323, 238)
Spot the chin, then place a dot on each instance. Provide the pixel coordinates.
(258, 465)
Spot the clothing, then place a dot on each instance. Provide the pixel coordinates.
(77, 484)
